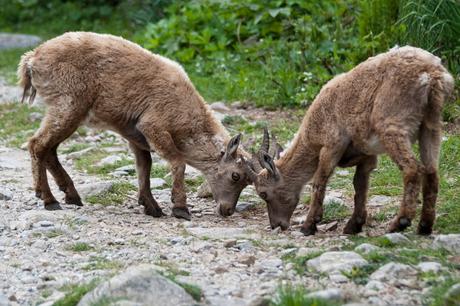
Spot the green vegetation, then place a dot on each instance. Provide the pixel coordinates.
(102, 263)
(172, 272)
(117, 194)
(300, 262)
(436, 297)
(15, 124)
(297, 296)
(74, 293)
(9, 60)
(80, 247)
(335, 211)
(89, 161)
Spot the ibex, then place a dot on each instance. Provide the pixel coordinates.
(106, 81)
(381, 106)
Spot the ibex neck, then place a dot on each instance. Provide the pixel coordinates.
(299, 163)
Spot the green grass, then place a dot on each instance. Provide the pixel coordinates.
(88, 162)
(300, 262)
(335, 211)
(15, 125)
(80, 247)
(116, 194)
(297, 296)
(75, 292)
(437, 295)
(9, 60)
(172, 272)
(101, 263)
(75, 147)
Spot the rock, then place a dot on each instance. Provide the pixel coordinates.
(139, 285)
(35, 116)
(337, 261)
(230, 243)
(379, 200)
(191, 172)
(269, 265)
(244, 245)
(27, 219)
(242, 206)
(16, 41)
(450, 242)
(397, 238)
(366, 248)
(78, 154)
(221, 233)
(374, 286)
(342, 172)
(247, 260)
(307, 251)
(332, 294)
(92, 189)
(329, 199)
(130, 169)
(157, 182)
(452, 297)
(4, 300)
(395, 274)
(219, 107)
(109, 160)
(332, 226)
(338, 278)
(5, 194)
(204, 191)
(430, 266)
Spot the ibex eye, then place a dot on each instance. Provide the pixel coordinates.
(263, 195)
(235, 176)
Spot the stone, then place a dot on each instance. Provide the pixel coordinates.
(330, 199)
(4, 300)
(191, 172)
(342, 172)
(269, 265)
(332, 294)
(395, 274)
(139, 285)
(331, 226)
(78, 154)
(450, 242)
(366, 248)
(397, 238)
(34, 116)
(230, 243)
(379, 200)
(5, 194)
(336, 261)
(27, 219)
(222, 233)
(243, 206)
(157, 182)
(307, 251)
(430, 266)
(92, 189)
(110, 160)
(338, 278)
(244, 245)
(219, 107)
(16, 41)
(130, 169)
(452, 296)
(204, 191)
(247, 260)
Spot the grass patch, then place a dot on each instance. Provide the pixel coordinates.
(297, 296)
(101, 263)
(75, 147)
(360, 275)
(9, 60)
(15, 125)
(74, 293)
(172, 272)
(334, 211)
(436, 296)
(194, 183)
(115, 195)
(80, 247)
(54, 233)
(88, 162)
(300, 262)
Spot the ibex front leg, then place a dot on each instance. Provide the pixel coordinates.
(328, 159)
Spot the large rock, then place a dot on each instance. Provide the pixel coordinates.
(5, 194)
(139, 285)
(38, 218)
(333, 262)
(366, 248)
(110, 160)
(14, 41)
(450, 242)
(452, 297)
(331, 294)
(397, 238)
(395, 274)
(92, 189)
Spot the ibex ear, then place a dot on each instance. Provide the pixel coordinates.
(266, 161)
(232, 147)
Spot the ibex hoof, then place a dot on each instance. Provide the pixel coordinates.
(353, 227)
(308, 230)
(399, 224)
(73, 200)
(153, 211)
(53, 206)
(181, 213)
(424, 228)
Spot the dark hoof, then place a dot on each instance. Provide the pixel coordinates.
(309, 230)
(181, 213)
(353, 228)
(53, 206)
(424, 228)
(154, 212)
(38, 194)
(73, 200)
(399, 224)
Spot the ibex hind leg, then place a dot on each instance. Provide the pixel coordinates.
(59, 123)
(430, 142)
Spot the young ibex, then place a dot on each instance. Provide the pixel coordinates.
(381, 106)
(106, 81)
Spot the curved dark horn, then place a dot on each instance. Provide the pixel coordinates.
(266, 162)
(248, 167)
(272, 151)
(265, 146)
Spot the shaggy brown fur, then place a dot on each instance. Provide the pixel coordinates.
(381, 106)
(106, 81)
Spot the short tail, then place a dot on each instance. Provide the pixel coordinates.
(442, 89)
(25, 77)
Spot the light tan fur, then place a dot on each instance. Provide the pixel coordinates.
(381, 106)
(109, 82)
